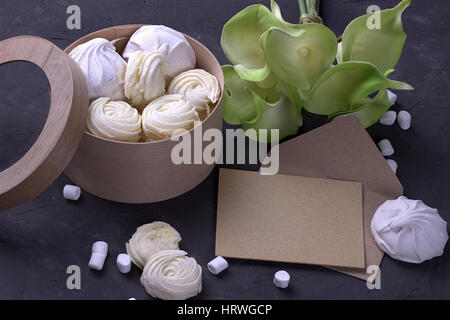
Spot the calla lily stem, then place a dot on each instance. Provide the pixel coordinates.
(309, 11)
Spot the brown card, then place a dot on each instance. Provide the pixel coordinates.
(343, 150)
(290, 219)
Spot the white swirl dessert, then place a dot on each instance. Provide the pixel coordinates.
(145, 78)
(171, 275)
(409, 230)
(178, 53)
(114, 120)
(103, 68)
(149, 239)
(168, 116)
(199, 87)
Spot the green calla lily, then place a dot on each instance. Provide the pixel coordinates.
(238, 106)
(282, 114)
(243, 48)
(368, 110)
(299, 56)
(276, 11)
(339, 88)
(380, 46)
(339, 53)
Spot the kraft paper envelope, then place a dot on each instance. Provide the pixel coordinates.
(344, 150)
(290, 219)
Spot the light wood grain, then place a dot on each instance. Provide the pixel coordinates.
(140, 172)
(63, 129)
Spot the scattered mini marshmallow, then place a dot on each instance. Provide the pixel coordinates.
(123, 263)
(98, 256)
(97, 261)
(132, 299)
(404, 119)
(100, 247)
(71, 192)
(281, 279)
(385, 147)
(392, 97)
(217, 265)
(393, 165)
(388, 119)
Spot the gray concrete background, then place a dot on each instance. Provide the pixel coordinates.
(40, 239)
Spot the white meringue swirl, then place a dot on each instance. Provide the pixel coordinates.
(171, 44)
(114, 120)
(409, 230)
(150, 239)
(168, 116)
(145, 78)
(171, 275)
(103, 68)
(197, 86)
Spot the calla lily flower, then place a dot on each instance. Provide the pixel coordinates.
(382, 46)
(241, 41)
(368, 110)
(283, 114)
(338, 89)
(299, 56)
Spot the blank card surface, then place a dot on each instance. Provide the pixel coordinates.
(290, 219)
(343, 150)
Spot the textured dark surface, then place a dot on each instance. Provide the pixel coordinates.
(40, 239)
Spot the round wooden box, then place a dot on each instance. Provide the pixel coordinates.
(140, 172)
(118, 171)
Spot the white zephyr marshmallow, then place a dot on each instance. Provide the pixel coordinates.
(404, 119)
(171, 44)
(172, 275)
(199, 87)
(409, 230)
(103, 68)
(392, 97)
(114, 120)
(71, 192)
(385, 147)
(98, 257)
(168, 116)
(281, 279)
(123, 263)
(150, 239)
(393, 165)
(217, 265)
(388, 119)
(145, 78)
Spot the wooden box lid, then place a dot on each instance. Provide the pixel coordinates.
(63, 129)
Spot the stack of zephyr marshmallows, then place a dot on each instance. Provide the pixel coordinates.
(152, 92)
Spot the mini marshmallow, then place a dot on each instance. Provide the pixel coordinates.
(404, 119)
(392, 97)
(100, 247)
(123, 263)
(98, 257)
(388, 118)
(217, 265)
(281, 279)
(385, 147)
(393, 165)
(71, 192)
(97, 261)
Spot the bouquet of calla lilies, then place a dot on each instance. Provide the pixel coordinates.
(280, 68)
